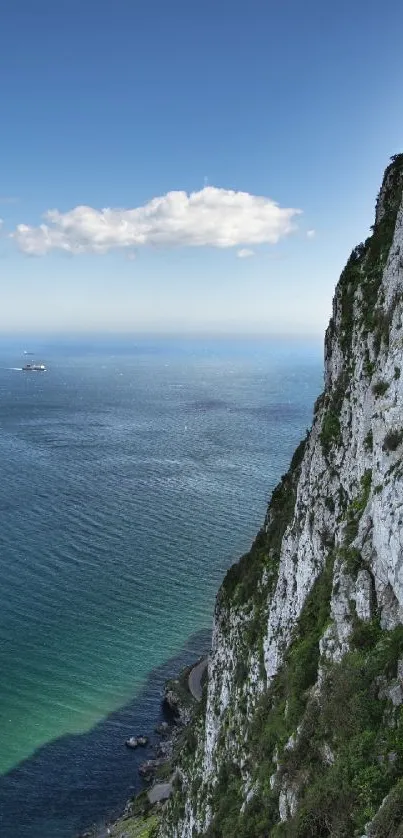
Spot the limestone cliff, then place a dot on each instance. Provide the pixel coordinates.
(301, 730)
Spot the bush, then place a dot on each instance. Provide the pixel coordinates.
(351, 557)
(227, 802)
(369, 441)
(369, 368)
(392, 440)
(365, 634)
(380, 388)
(325, 810)
(330, 432)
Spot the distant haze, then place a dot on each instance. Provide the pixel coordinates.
(255, 310)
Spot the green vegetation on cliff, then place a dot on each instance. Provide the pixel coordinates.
(349, 751)
(342, 749)
(242, 579)
(364, 271)
(277, 715)
(136, 826)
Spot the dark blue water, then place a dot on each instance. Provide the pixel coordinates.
(133, 474)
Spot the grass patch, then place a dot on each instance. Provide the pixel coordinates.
(136, 827)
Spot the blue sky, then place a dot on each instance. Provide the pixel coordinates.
(114, 104)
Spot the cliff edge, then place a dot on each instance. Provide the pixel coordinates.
(300, 732)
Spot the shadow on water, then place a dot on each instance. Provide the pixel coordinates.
(80, 780)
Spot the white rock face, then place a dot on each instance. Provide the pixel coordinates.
(362, 476)
(288, 800)
(335, 641)
(221, 685)
(364, 595)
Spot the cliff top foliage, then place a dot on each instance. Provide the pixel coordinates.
(364, 271)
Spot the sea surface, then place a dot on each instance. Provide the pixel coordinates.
(132, 474)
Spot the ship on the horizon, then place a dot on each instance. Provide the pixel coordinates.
(34, 368)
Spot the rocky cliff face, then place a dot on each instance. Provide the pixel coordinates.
(301, 730)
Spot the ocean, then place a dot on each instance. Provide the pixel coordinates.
(133, 473)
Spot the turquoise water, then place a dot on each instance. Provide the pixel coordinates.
(132, 475)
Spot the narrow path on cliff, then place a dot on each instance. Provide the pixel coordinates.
(195, 677)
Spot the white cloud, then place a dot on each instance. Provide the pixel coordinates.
(212, 217)
(311, 234)
(245, 252)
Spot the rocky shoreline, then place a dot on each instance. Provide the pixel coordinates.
(142, 812)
